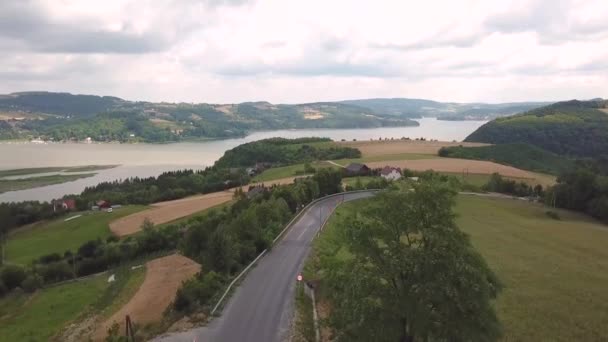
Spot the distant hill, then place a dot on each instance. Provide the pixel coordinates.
(572, 128)
(418, 108)
(63, 116)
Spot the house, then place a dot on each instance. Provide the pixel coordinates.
(356, 169)
(390, 173)
(103, 204)
(250, 171)
(260, 167)
(68, 204)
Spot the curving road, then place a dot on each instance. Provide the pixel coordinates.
(261, 308)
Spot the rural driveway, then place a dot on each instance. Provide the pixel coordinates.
(261, 308)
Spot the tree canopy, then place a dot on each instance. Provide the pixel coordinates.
(410, 274)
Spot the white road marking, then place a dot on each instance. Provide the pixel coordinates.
(302, 233)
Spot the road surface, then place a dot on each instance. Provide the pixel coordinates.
(262, 307)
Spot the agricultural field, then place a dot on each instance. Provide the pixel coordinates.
(554, 271)
(391, 147)
(29, 243)
(163, 277)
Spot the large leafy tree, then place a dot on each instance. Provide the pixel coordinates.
(409, 273)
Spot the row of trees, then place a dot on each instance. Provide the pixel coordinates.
(224, 242)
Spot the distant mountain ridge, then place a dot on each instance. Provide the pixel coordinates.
(65, 116)
(418, 108)
(572, 128)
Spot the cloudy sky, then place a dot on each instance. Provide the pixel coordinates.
(307, 50)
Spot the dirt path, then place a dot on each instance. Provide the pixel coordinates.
(384, 147)
(454, 165)
(163, 212)
(163, 277)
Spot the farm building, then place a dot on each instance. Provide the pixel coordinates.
(390, 173)
(356, 169)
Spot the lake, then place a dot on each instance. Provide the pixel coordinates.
(145, 160)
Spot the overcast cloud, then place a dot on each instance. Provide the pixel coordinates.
(299, 51)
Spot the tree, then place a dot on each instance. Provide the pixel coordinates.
(412, 275)
(12, 276)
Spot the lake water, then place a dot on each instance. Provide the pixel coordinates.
(145, 160)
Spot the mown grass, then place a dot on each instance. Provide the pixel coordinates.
(555, 272)
(57, 236)
(43, 314)
(35, 182)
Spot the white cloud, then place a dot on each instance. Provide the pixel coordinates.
(297, 51)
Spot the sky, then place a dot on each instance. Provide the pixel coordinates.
(284, 51)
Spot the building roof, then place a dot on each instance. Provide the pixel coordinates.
(356, 167)
(388, 170)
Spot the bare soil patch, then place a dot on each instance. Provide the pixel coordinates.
(163, 278)
(384, 147)
(454, 165)
(163, 212)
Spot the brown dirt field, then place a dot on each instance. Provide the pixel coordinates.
(454, 165)
(163, 212)
(163, 277)
(379, 148)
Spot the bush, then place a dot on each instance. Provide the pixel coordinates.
(55, 272)
(31, 283)
(49, 258)
(12, 276)
(3, 289)
(553, 215)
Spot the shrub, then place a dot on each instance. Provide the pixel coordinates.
(49, 258)
(12, 276)
(31, 283)
(55, 272)
(3, 289)
(553, 215)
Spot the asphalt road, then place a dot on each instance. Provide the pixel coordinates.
(262, 307)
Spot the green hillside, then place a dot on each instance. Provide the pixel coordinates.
(63, 116)
(572, 128)
(523, 156)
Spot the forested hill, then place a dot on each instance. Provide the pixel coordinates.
(571, 128)
(418, 108)
(63, 116)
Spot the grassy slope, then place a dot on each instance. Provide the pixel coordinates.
(386, 157)
(555, 272)
(35, 182)
(57, 236)
(43, 315)
(29, 318)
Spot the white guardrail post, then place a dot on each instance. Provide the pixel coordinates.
(219, 302)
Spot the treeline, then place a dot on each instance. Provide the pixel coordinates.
(520, 155)
(584, 189)
(225, 241)
(497, 183)
(91, 257)
(279, 151)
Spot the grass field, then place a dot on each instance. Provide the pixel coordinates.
(35, 182)
(287, 171)
(42, 315)
(57, 236)
(555, 272)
